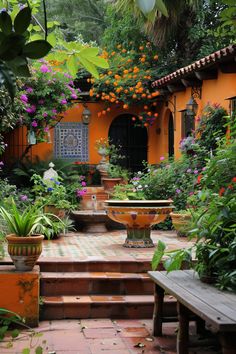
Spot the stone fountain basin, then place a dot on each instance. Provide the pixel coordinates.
(138, 213)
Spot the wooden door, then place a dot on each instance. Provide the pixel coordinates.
(132, 139)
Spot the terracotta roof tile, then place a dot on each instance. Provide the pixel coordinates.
(211, 59)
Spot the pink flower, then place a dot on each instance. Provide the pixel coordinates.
(74, 96)
(41, 101)
(1, 163)
(83, 184)
(24, 98)
(162, 158)
(54, 110)
(44, 68)
(31, 109)
(29, 90)
(34, 124)
(46, 129)
(45, 114)
(63, 101)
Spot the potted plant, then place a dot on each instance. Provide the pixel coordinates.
(115, 175)
(25, 240)
(51, 194)
(181, 220)
(213, 254)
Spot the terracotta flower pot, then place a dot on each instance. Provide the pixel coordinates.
(56, 211)
(24, 251)
(180, 222)
(110, 183)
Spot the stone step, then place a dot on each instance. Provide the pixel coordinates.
(102, 306)
(65, 264)
(88, 283)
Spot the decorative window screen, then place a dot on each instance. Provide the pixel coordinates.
(71, 141)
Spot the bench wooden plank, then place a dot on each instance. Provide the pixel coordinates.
(172, 284)
(208, 293)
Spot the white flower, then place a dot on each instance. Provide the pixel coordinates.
(139, 172)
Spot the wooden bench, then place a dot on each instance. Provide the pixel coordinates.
(216, 308)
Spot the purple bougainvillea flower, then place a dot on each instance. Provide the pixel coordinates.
(46, 129)
(24, 98)
(63, 101)
(31, 109)
(34, 124)
(29, 89)
(178, 191)
(54, 110)
(195, 172)
(44, 68)
(83, 184)
(74, 96)
(45, 114)
(23, 197)
(162, 158)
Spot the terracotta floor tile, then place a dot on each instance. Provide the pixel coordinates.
(100, 332)
(107, 344)
(97, 323)
(134, 332)
(69, 339)
(128, 323)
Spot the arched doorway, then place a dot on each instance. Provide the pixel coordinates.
(171, 135)
(133, 141)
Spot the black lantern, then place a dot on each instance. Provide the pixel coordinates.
(191, 107)
(86, 115)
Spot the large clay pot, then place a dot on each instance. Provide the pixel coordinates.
(180, 222)
(24, 251)
(138, 216)
(51, 209)
(110, 183)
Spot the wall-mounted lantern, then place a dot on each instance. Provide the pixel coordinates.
(86, 115)
(191, 107)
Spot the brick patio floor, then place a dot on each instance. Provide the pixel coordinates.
(100, 336)
(106, 245)
(96, 336)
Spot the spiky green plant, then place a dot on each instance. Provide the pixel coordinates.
(26, 222)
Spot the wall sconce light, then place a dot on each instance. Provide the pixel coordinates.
(49, 139)
(31, 137)
(86, 115)
(191, 107)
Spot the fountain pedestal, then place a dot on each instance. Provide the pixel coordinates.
(138, 216)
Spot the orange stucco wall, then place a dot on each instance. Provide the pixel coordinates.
(20, 293)
(213, 91)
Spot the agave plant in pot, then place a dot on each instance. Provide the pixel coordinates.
(25, 238)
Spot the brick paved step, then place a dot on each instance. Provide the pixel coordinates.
(64, 264)
(88, 283)
(102, 306)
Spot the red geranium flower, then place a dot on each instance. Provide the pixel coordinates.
(221, 191)
(234, 179)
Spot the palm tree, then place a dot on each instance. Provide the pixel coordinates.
(163, 20)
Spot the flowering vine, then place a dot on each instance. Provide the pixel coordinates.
(44, 97)
(127, 82)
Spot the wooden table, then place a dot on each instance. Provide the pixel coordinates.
(216, 308)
